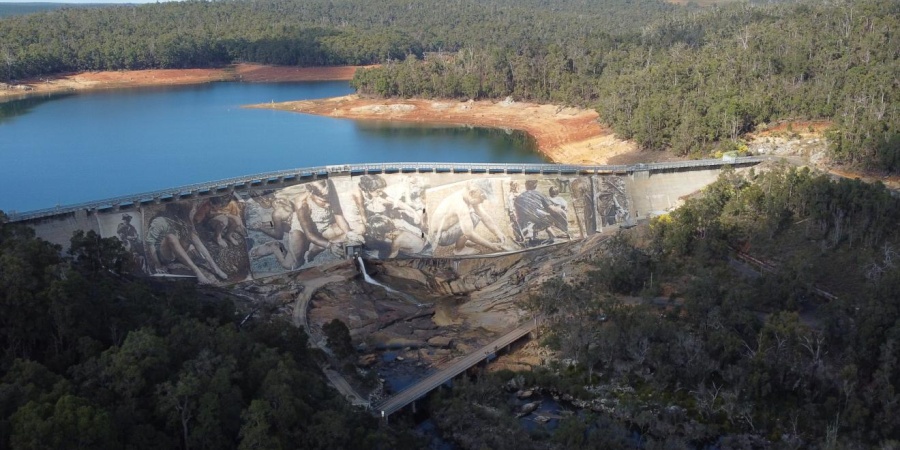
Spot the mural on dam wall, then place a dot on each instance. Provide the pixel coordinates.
(128, 227)
(504, 214)
(388, 212)
(263, 232)
(202, 238)
(297, 226)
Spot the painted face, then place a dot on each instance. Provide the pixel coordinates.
(476, 196)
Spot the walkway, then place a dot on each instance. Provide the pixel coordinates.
(293, 176)
(314, 279)
(458, 366)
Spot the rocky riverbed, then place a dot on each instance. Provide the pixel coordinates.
(463, 304)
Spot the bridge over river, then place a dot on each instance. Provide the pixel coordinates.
(451, 370)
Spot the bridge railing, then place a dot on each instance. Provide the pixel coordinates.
(277, 177)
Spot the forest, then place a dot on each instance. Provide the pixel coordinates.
(682, 79)
(716, 354)
(690, 82)
(93, 359)
(728, 359)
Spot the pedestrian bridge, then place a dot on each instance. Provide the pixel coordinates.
(449, 371)
(232, 230)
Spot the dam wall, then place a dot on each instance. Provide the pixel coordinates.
(238, 229)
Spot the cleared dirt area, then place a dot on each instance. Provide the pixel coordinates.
(807, 144)
(802, 128)
(85, 81)
(564, 135)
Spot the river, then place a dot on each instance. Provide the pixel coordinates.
(64, 149)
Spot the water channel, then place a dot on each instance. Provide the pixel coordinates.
(64, 149)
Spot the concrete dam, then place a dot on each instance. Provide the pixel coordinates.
(239, 229)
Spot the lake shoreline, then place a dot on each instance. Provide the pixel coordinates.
(564, 135)
(92, 81)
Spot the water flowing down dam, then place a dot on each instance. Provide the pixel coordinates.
(238, 229)
(372, 281)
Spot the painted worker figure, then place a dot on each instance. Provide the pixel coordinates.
(372, 199)
(385, 240)
(223, 217)
(131, 240)
(303, 225)
(563, 211)
(128, 234)
(456, 218)
(536, 213)
(170, 237)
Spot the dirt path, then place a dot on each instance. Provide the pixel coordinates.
(565, 135)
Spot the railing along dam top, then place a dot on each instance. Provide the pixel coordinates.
(262, 180)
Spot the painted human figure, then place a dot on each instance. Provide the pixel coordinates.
(536, 213)
(456, 217)
(131, 240)
(388, 241)
(583, 206)
(127, 233)
(562, 210)
(170, 237)
(224, 218)
(375, 206)
(303, 225)
(371, 199)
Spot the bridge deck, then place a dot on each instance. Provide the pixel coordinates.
(418, 390)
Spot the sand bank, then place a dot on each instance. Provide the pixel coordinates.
(85, 81)
(564, 135)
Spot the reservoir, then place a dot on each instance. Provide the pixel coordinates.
(67, 149)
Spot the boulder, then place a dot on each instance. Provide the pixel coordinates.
(464, 348)
(528, 408)
(525, 394)
(440, 341)
(367, 360)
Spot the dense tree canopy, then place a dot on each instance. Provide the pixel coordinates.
(733, 357)
(669, 77)
(93, 360)
(318, 32)
(693, 79)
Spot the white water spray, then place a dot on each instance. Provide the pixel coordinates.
(370, 280)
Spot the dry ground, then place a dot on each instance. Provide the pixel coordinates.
(564, 135)
(806, 132)
(85, 81)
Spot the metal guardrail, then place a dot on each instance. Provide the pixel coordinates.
(424, 386)
(270, 178)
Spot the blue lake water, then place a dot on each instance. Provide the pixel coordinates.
(68, 149)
